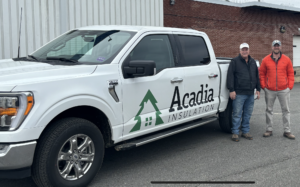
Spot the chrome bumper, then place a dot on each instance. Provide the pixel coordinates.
(15, 156)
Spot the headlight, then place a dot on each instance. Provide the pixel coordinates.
(14, 107)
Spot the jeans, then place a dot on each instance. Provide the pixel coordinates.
(242, 108)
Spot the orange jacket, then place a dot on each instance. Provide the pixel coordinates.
(276, 76)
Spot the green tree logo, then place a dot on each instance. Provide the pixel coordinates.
(148, 97)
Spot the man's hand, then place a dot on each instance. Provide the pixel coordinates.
(232, 95)
(258, 94)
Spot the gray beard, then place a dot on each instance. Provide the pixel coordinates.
(276, 53)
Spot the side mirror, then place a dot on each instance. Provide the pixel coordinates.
(140, 68)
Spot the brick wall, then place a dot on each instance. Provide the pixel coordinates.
(228, 27)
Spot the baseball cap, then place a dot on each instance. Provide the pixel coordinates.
(276, 42)
(244, 45)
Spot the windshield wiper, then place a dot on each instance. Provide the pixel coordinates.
(33, 57)
(62, 59)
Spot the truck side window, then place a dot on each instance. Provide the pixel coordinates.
(156, 48)
(193, 50)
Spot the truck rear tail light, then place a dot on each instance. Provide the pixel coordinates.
(13, 109)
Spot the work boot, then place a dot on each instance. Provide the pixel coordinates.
(268, 134)
(247, 136)
(235, 137)
(289, 135)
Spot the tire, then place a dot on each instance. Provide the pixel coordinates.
(71, 143)
(225, 118)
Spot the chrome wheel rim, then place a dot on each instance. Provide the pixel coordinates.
(75, 157)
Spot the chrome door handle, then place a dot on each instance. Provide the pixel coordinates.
(212, 76)
(175, 80)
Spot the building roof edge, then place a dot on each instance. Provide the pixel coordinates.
(260, 5)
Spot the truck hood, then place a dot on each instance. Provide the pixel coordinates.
(13, 73)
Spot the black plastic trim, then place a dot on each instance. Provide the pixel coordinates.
(223, 58)
(223, 62)
(16, 173)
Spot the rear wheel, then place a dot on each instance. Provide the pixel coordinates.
(225, 118)
(70, 153)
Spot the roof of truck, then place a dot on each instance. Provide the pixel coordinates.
(135, 28)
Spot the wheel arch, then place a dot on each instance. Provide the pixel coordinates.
(86, 108)
(91, 114)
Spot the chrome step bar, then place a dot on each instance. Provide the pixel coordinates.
(163, 134)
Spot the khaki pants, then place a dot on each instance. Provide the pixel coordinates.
(284, 99)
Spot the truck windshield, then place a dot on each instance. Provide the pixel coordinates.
(85, 46)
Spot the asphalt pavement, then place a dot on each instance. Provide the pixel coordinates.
(207, 154)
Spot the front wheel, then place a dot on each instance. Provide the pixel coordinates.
(225, 118)
(69, 153)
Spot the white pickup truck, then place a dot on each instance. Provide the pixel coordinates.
(102, 86)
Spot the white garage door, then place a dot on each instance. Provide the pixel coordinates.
(296, 51)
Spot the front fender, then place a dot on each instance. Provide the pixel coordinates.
(82, 100)
(32, 130)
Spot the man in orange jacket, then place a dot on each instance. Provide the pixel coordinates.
(277, 80)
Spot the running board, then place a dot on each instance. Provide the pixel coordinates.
(163, 134)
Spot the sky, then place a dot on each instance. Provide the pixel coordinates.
(292, 3)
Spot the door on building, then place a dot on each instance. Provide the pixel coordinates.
(296, 51)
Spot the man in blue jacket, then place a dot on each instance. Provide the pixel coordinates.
(242, 79)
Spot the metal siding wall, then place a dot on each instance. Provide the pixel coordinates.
(1, 32)
(296, 51)
(6, 30)
(44, 20)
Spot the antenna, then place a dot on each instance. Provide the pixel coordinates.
(20, 34)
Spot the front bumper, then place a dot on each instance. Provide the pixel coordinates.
(17, 156)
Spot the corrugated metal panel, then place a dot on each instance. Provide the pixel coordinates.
(43, 20)
(296, 51)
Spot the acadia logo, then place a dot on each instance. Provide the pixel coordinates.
(199, 99)
(195, 99)
(196, 102)
(148, 97)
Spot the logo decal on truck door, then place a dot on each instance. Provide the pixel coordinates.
(196, 102)
(148, 97)
(195, 99)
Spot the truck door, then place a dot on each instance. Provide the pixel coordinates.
(201, 76)
(146, 100)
